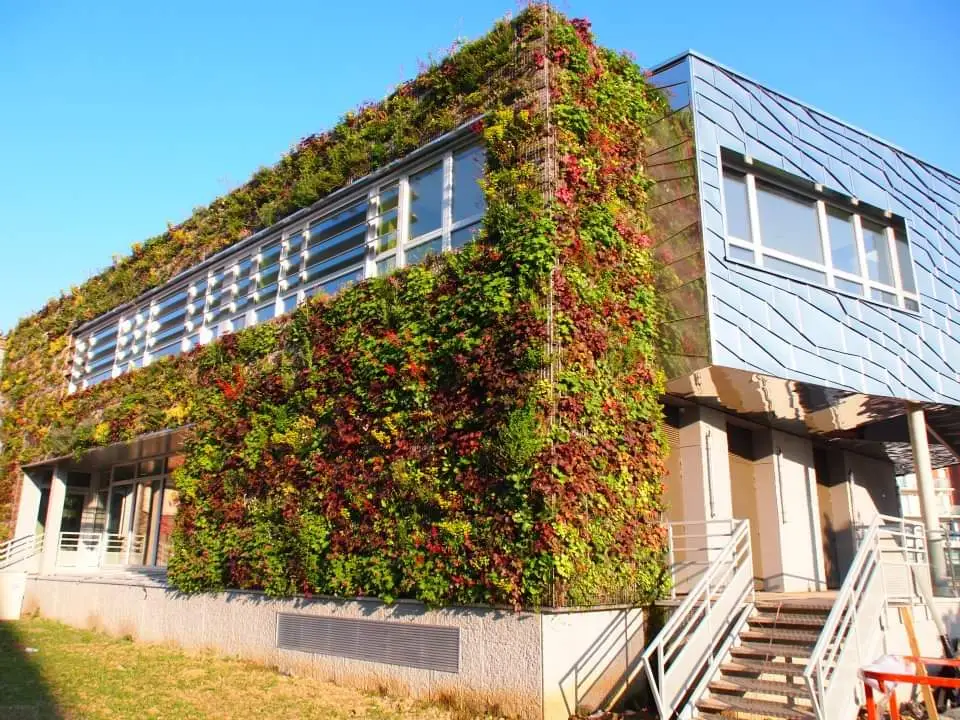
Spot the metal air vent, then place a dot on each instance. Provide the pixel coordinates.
(430, 647)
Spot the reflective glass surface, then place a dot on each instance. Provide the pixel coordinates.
(735, 204)
(788, 222)
(426, 195)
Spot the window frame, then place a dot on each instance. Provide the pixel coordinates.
(199, 327)
(823, 199)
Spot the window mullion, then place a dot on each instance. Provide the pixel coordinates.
(446, 215)
(117, 371)
(205, 334)
(825, 241)
(403, 220)
(370, 263)
(861, 251)
(150, 330)
(754, 217)
(895, 264)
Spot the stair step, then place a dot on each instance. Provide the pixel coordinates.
(781, 635)
(737, 707)
(733, 684)
(799, 605)
(769, 650)
(788, 619)
(762, 667)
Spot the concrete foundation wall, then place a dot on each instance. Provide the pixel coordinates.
(517, 664)
(588, 658)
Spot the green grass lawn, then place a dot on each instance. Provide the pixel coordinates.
(83, 674)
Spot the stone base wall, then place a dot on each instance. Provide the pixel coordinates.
(518, 664)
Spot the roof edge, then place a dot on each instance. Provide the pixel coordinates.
(813, 108)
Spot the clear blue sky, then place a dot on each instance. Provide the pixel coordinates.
(118, 117)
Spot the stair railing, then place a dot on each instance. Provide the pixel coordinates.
(852, 635)
(17, 549)
(685, 655)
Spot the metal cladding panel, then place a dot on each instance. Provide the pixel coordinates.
(429, 647)
(816, 328)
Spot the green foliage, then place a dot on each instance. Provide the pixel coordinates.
(482, 428)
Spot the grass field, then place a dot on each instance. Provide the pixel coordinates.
(50, 670)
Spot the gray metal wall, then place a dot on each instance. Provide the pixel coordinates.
(765, 323)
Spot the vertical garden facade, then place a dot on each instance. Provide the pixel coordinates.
(418, 357)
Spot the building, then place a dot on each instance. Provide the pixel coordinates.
(945, 486)
(378, 444)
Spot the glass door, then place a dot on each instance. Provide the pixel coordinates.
(119, 510)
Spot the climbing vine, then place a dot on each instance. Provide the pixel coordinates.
(481, 428)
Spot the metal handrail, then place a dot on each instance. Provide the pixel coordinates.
(21, 548)
(691, 545)
(682, 659)
(100, 545)
(851, 633)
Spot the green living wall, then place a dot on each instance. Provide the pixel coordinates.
(484, 428)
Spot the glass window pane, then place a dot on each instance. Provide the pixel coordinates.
(735, 204)
(843, 241)
(883, 296)
(903, 258)
(848, 286)
(166, 350)
(100, 377)
(270, 254)
(386, 265)
(106, 334)
(417, 254)
(266, 312)
(332, 245)
(332, 286)
(268, 276)
(244, 268)
(289, 303)
(734, 252)
(338, 223)
(912, 305)
(464, 235)
(292, 279)
(294, 244)
(426, 195)
(788, 222)
(468, 197)
(877, 251)
(797, 271)
(386, 241)
(389, 198)
(321, 266)
(243, 303)
(124, 472)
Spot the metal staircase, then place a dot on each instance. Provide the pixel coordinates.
(724, 652)
(764, 673)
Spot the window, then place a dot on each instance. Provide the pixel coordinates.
(792, 227)
(426, 209)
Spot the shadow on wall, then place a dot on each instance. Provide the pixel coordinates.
(24, 694)
(608, 674)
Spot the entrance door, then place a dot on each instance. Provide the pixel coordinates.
(119, 512)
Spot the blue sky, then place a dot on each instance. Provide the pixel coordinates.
(117, 118)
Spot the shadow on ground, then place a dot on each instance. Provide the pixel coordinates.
(24, 694)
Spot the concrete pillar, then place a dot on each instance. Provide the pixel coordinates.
(705, 472)
(791, 555)
(917, 423)
(27, 507)
(51, 537)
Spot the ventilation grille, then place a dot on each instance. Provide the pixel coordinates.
(430, 647)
